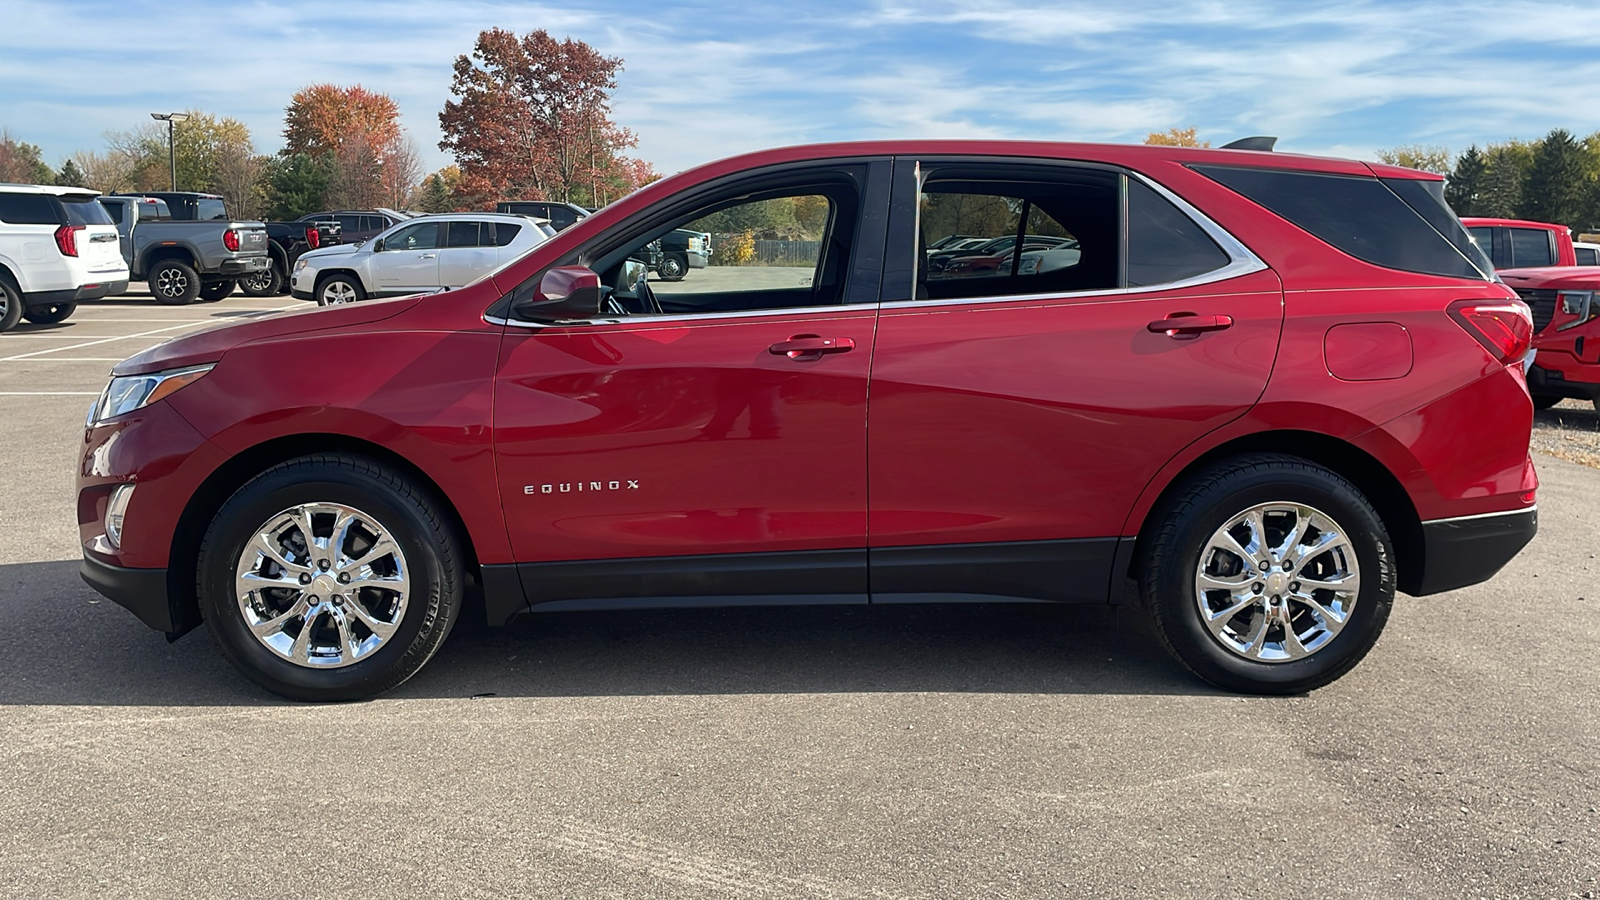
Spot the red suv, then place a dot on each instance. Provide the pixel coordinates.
(1265, 392)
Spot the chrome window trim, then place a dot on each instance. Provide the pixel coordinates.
(1509, 512)
(1241, 260)
(651, 319)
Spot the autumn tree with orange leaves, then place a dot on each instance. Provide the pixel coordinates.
(371, 161)
(531, 119)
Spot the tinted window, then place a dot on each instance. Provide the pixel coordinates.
(1164, 245)
(154, 209)
(1426, 198)
(1360, 216)
(561, 217)
(375, 223)
(28, 209)
(207, 208)
(1587, 256)
(352, 223)
(1483, 236)
(114, 210)
(462, 234)
(504, 233)
(1530, 247)
(422, 236)
(1067, 225)
(85, 211)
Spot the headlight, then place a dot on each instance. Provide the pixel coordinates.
(300, 265)
(130, 392)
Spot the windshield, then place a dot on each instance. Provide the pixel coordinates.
(208, 208)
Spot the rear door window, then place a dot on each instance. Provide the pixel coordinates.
(463, 234)
(1587, 256)
(1359, 216)
(561, 217)
(1164, 244)
(28, 209)
(1531, 247)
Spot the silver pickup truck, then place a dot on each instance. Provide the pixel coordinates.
(185, 261)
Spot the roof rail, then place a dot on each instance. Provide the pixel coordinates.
(1259, 142)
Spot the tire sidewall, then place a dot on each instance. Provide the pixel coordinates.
(322, 289)
(1174, 587)
(429, 611)
(672, 268)
(189, 294)
(274, 283)
(11, 299)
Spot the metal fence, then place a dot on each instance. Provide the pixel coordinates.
(769, 253)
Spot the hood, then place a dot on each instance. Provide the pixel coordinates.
(1578, 278)
(209, 345)
(332, 250)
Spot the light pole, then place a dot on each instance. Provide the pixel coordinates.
(172, 147)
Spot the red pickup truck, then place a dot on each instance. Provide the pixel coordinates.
(1539, 262)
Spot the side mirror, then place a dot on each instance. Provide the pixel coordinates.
(629, 275)
(377, 246)
(565, 292)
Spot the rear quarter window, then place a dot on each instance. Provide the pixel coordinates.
(505, 233)
(1164, 245)
(28, 209)
(1360, 216)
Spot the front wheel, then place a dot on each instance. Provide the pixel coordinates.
(174, 283)
(1268, 575)
(673, 267)
(330, 577)
(53, 314)
(266, 283)
(336, 290)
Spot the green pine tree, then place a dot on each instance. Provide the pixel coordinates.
(1556, 184)
(298, 184)
(1466, 180)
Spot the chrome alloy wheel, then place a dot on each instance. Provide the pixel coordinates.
(1277, 582)
(322, 585)
(172, 283)
(257, 281)
(338, 292)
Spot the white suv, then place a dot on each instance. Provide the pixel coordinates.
(423, 254)
(57, 247)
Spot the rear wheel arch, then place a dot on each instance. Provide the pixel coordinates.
(1375, 481)
(157, 255)
(209, 498)
(10, 278)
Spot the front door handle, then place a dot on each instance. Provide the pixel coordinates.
(426, 256)
(806, 347)
(1188, 325)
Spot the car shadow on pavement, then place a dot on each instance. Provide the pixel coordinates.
(60, 647)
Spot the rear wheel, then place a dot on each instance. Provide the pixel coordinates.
(212, 291)
(49, 315)
(673, 267)
(1268, 575)
(330, 578)
(174, 283)
(266, 283)
(10, 305)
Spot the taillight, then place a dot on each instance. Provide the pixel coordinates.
(313, 237)
(1504, 327)
(230, 239)
(67, 239)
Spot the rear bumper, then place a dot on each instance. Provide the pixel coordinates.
(1470, 550)
(142, 592)
(1555, 383)
(76, 295)
(244, 266)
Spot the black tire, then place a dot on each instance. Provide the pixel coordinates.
(433, 554)
(1544, 401)
(349, 281)
(212, 291)
(174, 283)
(1186, 520)
(266, 283)
(10, 305)
(49, 315)
(674, 266)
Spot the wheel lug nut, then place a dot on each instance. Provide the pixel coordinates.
(312, 599)
(338, 600)
(344, 577)
(1295, 587)
(323, 564)
(1257, 587)
(304, 578)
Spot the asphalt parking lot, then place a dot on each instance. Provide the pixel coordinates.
(1027, 751)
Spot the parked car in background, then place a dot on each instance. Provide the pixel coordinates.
(1268, 421)
(358, 225)
(940, 260)
(286, 240)
(1520, 244)
(183, 261)
(424, 254)
(561, 215)
(1586, 254)
(58, 248)
(955, 241)
(678, 251)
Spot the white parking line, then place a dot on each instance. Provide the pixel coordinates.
(54, 359)
(22, 356)
(49, 393)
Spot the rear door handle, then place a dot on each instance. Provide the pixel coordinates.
(810, 346)
(1189, 325)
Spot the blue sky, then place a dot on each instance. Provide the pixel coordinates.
(704, 80)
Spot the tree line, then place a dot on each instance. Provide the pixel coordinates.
(1554, 179)
(529, 118)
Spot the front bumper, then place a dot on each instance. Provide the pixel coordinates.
(1470, 550)
(1554, 383)
(142, 592)
(245, 266)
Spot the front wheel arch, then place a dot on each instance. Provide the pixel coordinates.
(208, 499)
